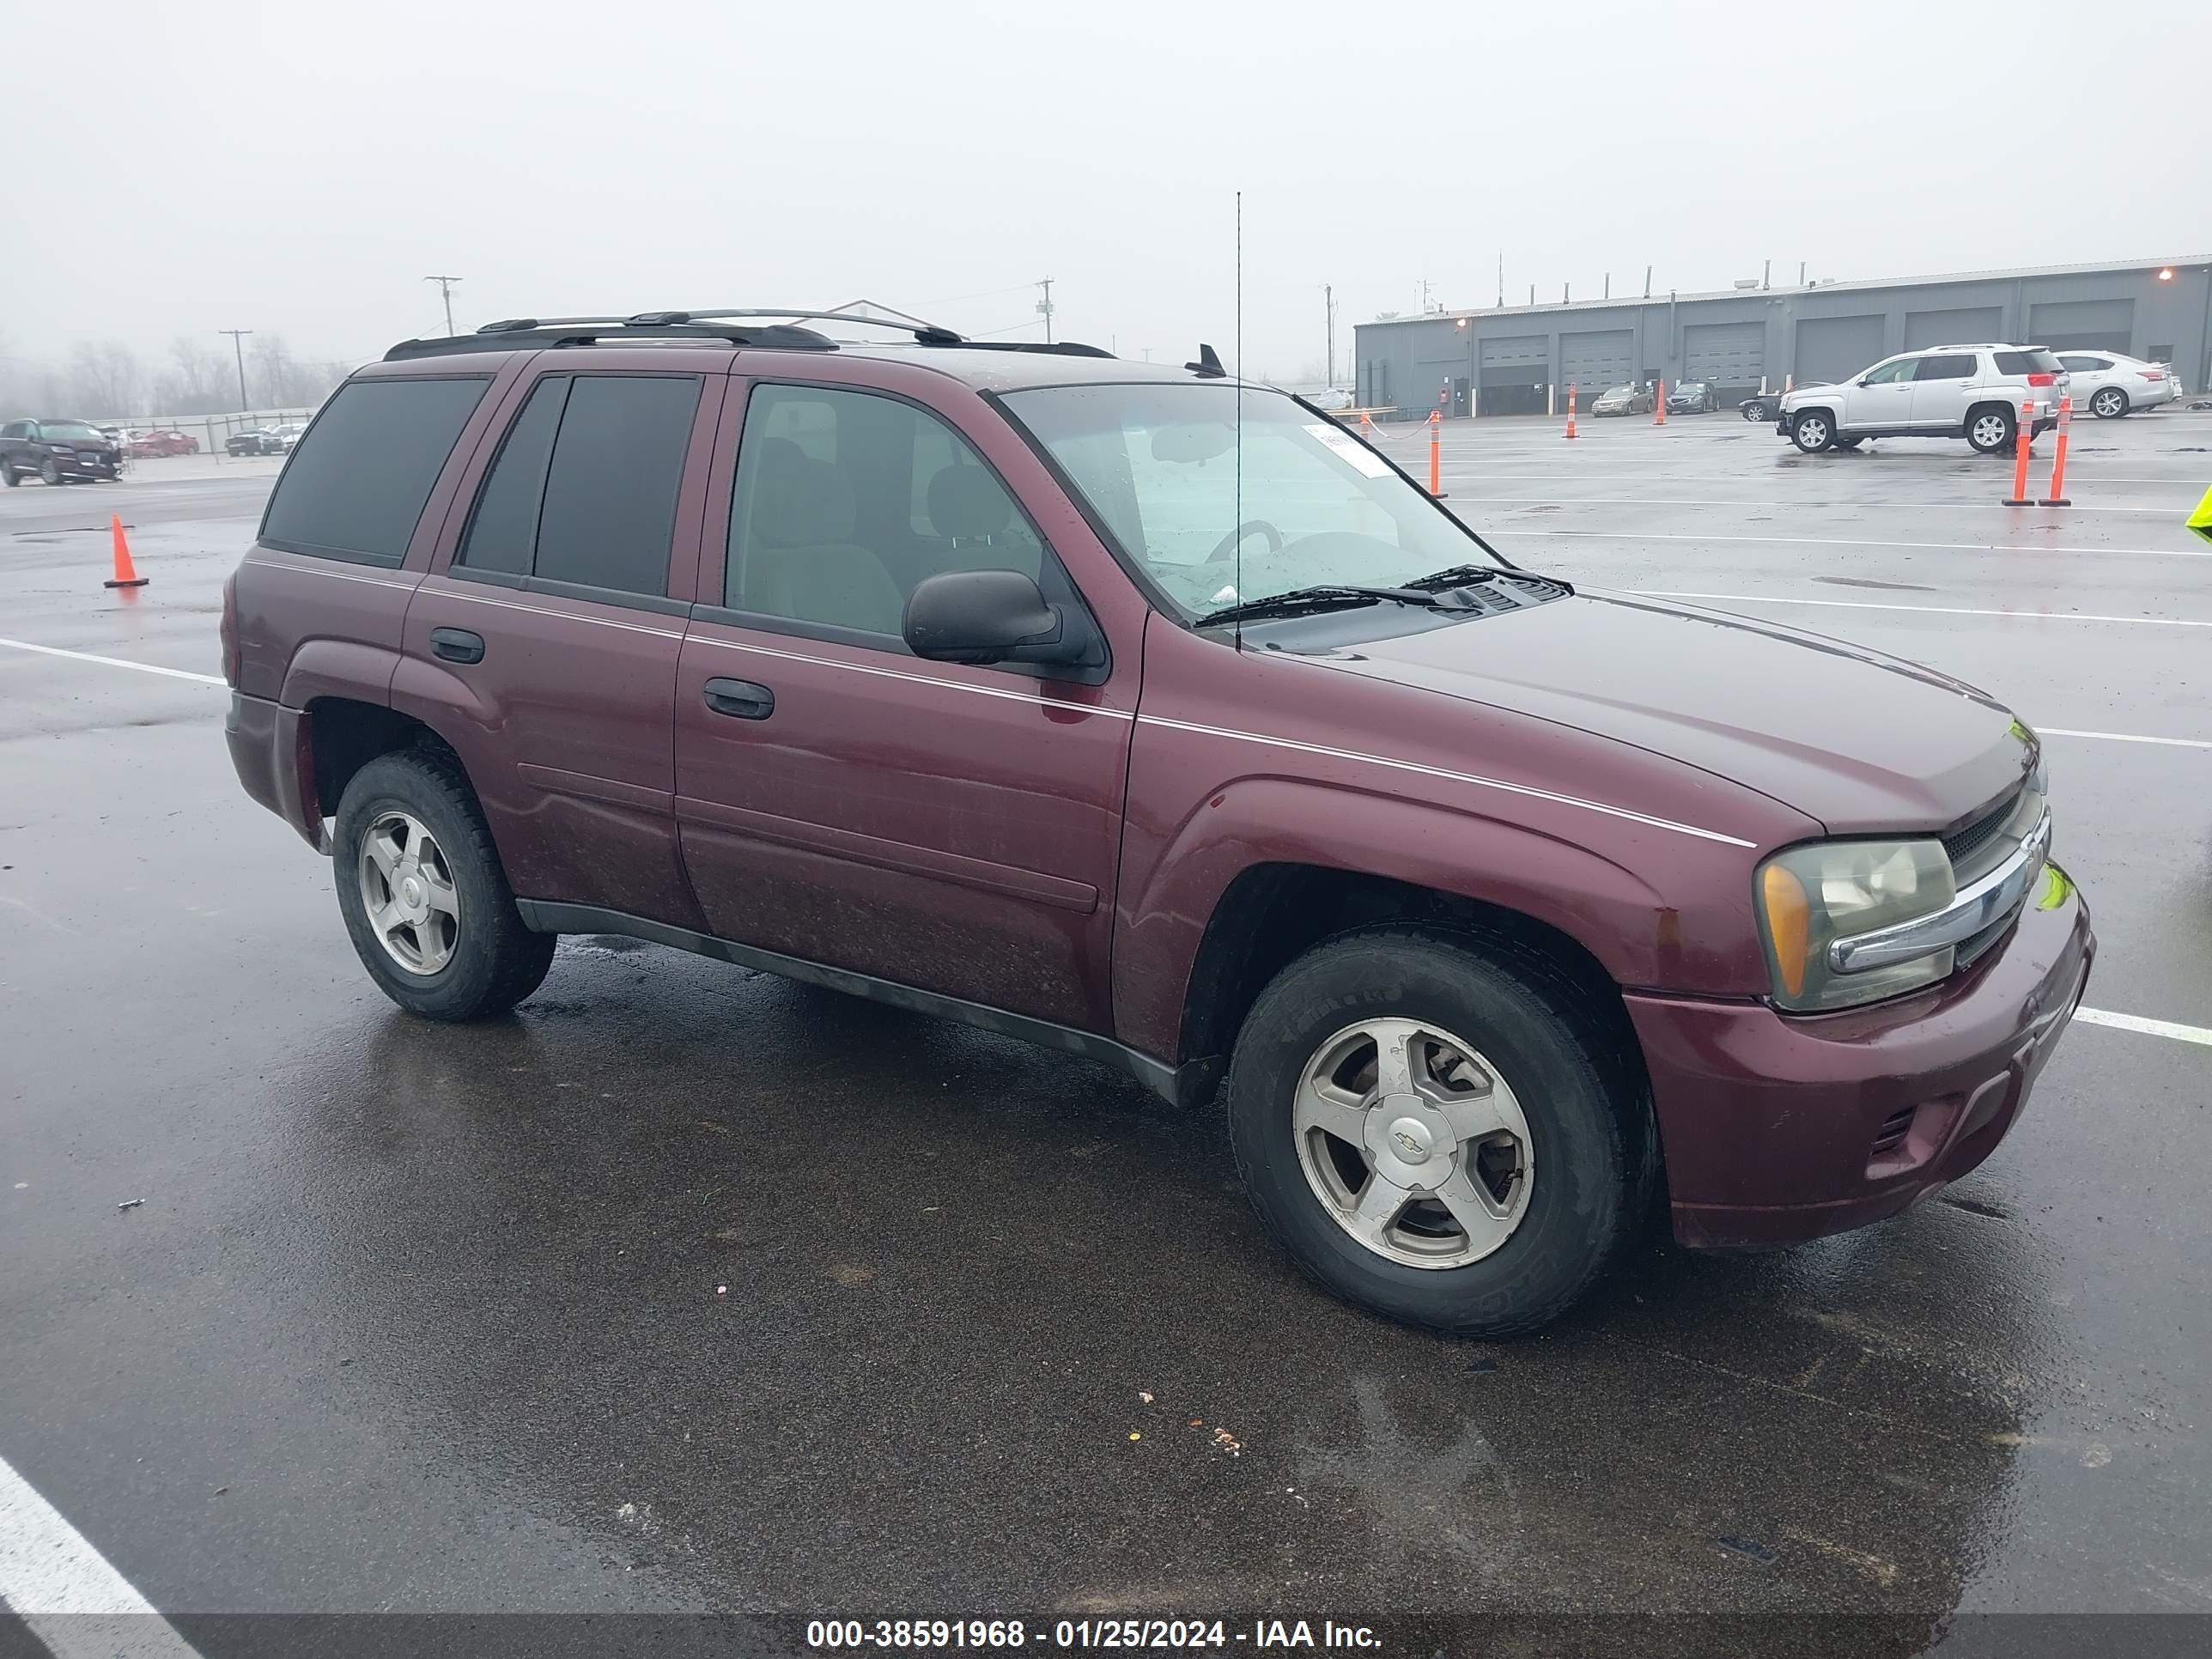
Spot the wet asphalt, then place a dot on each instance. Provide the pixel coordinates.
(686, 1289)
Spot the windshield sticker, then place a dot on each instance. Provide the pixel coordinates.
(1366, 460)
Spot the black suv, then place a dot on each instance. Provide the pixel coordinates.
(254, 441)
(59, 452)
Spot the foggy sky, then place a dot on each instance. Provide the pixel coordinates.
(299, 168)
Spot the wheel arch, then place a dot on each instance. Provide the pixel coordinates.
(1273, 913)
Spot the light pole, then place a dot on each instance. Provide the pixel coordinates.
(446, 291)
(238, 344)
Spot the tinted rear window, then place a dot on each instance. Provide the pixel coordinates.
(610, 508)
(356, 484)
(2037, 362)
(503, 530)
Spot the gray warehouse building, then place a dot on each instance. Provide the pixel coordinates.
(1520, 360)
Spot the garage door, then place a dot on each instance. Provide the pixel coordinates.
(2082, 326)
(1836, 348)
(1514, 371)
(1597, 361)
(1728, 357)
(1965, 325)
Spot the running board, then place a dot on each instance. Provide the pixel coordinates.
(1189, 1085)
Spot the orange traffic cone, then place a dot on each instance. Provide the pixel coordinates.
(126, 573)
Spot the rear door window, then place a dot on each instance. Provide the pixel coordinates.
(2037, 362)
(1945, 368)
(582, 493)
(358, 482)
(502, 532)
(2082, 365)
(610, 508)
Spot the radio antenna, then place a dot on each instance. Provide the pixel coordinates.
(1237, 391)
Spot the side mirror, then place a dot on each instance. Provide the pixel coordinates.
(991, 616)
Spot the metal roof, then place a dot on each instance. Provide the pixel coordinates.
(1779, 289)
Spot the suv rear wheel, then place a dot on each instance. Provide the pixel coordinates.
(424, 895)
(1812, 431)
(1433, 1131)
(1990, 428)
(2109, 403)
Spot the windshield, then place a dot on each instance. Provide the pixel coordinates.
(1621, 391)
(77, 429)
(1158, 465)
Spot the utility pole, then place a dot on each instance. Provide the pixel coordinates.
(446, 291)
(1647, 281)
(1044, 307)
(1425, 296)
(1609, 285)
(238, 344)
(1765, 272)
(1801, 273)
(1328, 361)
(1501, 279)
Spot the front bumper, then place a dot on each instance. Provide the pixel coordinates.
(1768, 1122)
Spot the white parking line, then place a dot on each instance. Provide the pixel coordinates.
(2124, 736)
(2165, 1028)
(116, 662)
(1571, 475)
(2078, 508)
(1505, 530)
(1929, 610)
(66, 1591)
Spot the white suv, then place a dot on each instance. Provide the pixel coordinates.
(1969, 392)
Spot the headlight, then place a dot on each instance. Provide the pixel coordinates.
(1810, 896)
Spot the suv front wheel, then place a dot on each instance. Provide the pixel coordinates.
(1812, 431)
(1989, 430)
(1437, 1132)
(424, 894)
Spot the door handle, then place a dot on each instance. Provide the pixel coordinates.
(742, 698)
(456, 645)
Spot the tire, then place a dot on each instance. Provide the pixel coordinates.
(472, 958)
(2108, 402)
(1849, 443)
(1586, 1149)
(48, 473)
(1814, 431)
(8, 476)
(1990, 428)
(1753, 410)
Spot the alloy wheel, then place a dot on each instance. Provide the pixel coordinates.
(1413, 1142)
(407, 890)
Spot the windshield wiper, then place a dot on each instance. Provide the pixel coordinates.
(1459, 575)
(1333, 596)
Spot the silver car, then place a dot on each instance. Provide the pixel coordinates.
(2109, 385)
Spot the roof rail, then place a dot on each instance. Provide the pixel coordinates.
(774, 327)
(533, 333)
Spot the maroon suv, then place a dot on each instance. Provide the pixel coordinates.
(1155, 717)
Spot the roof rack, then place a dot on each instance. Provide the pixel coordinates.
(773, 326)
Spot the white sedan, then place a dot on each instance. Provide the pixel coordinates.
(2110, 386)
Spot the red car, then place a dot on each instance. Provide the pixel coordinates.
(167, 442)
(988, 682)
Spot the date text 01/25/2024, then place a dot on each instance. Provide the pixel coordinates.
(832, 1634)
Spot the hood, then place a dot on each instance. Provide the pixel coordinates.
(1862, 742)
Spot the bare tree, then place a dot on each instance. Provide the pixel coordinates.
(105, 379)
